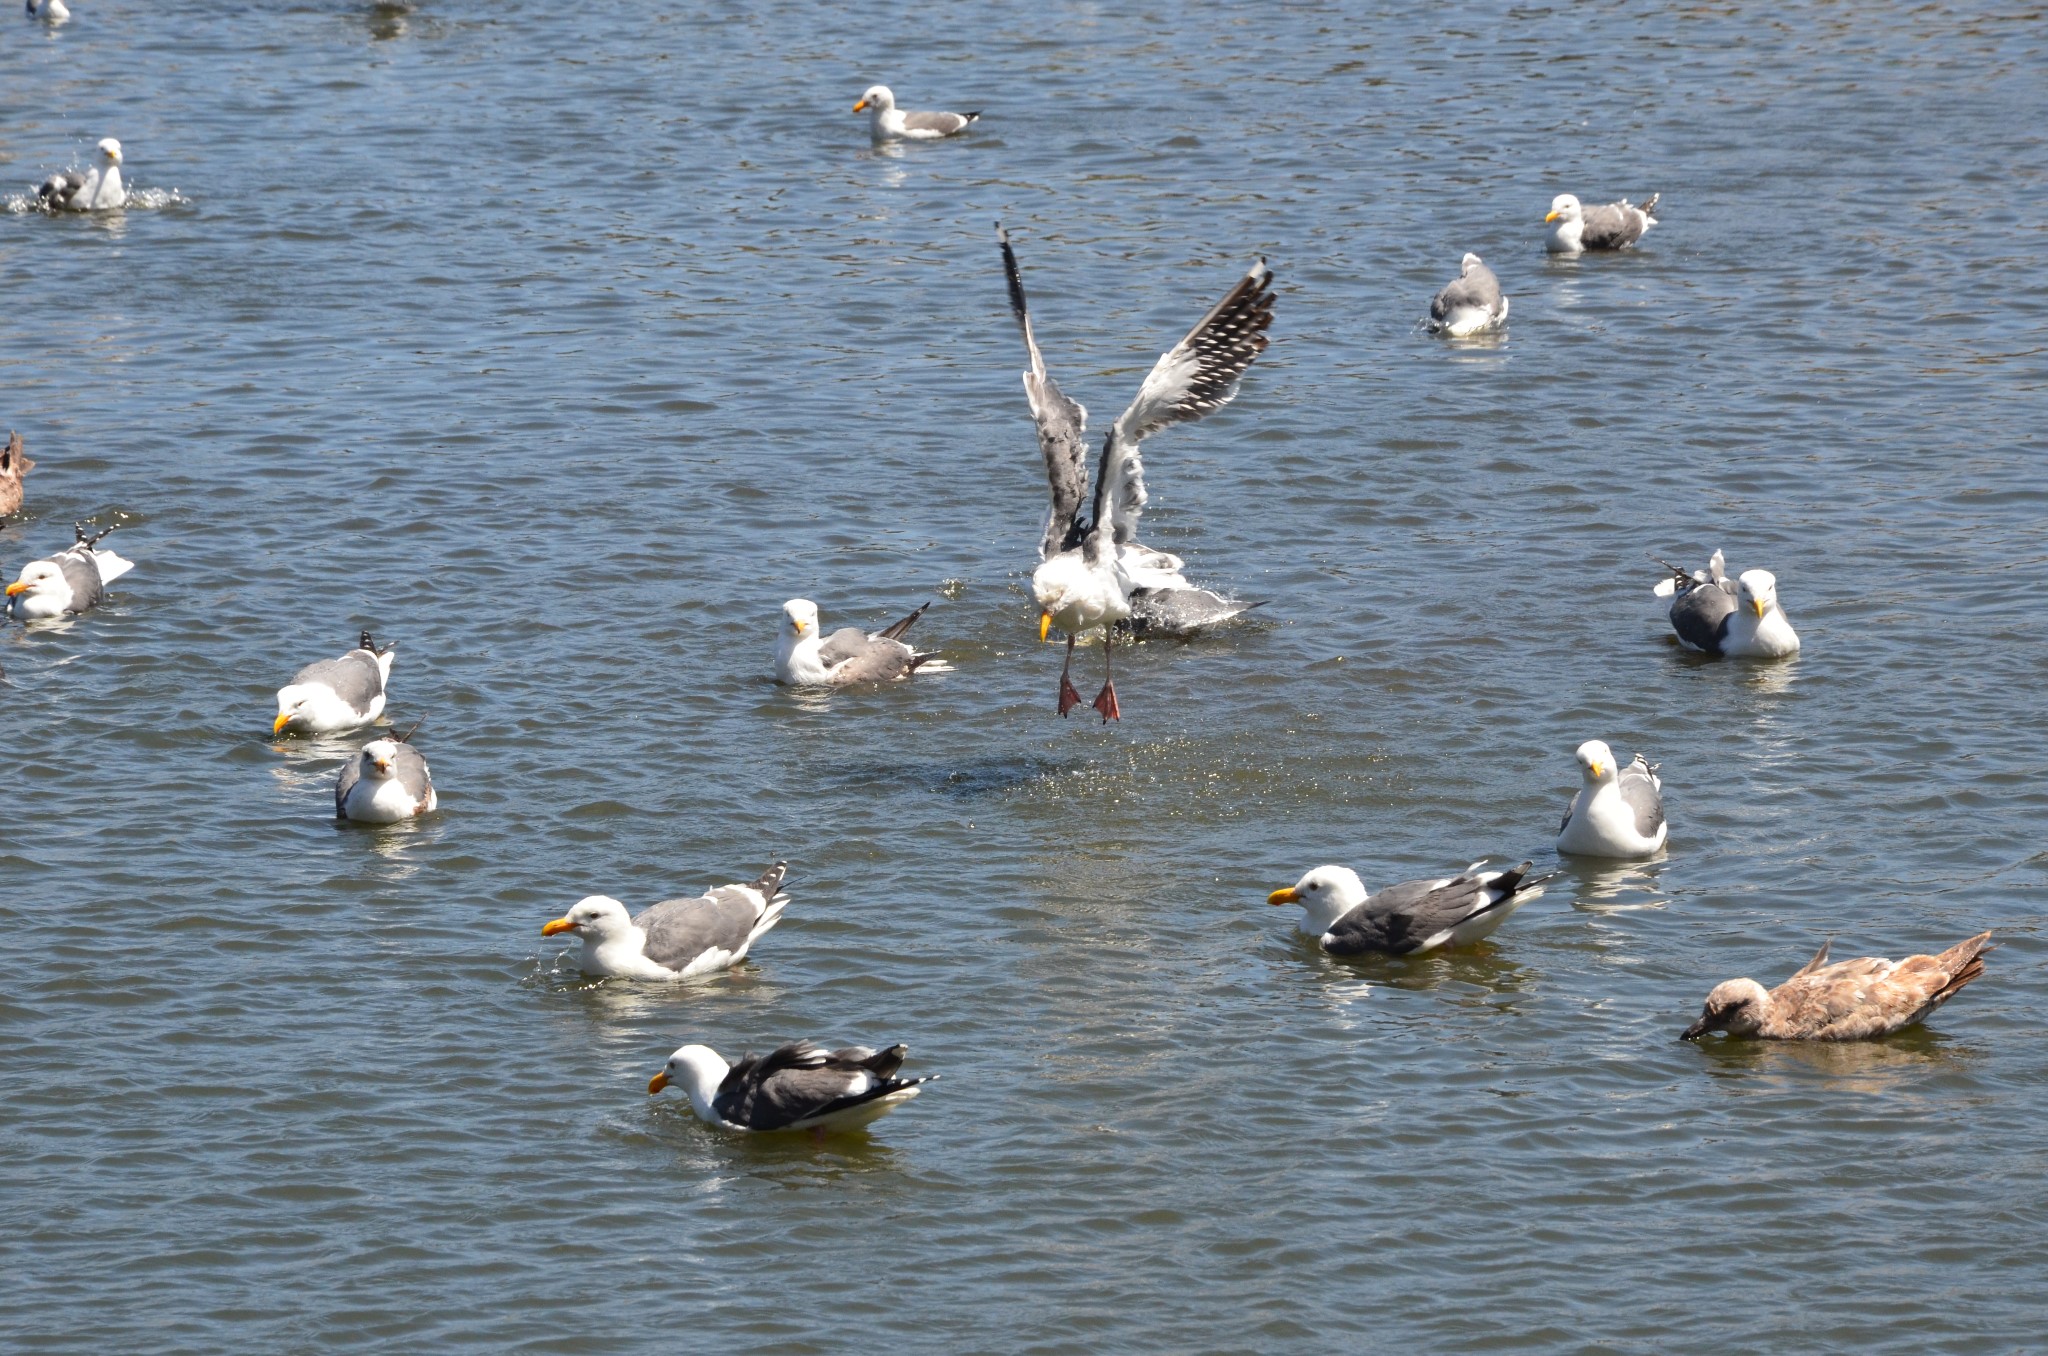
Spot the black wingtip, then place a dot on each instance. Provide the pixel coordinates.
(770, 882)
(1018, 307)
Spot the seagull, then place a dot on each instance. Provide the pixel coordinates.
(1470, 303)
(677, 938)
(14, 464)
(1093, 573)
(73, 580)
(889, 123)
(805, 657)
(89, 190)
(49, 11)
(384, 783)
(1575, 229)
(1848, 1001)
(1721, 616)
(795, 1087)
(1409, 918)
(336, 694)
(1618, 812)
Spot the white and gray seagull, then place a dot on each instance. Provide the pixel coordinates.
(886, 122)
(74, 580)
(1717, 615)
(677, 938)
(1092, 572)
(794, 1087)
(1470, 303)
(385, 782)
(1612, 226)
(1409, 918)
(96, 189)
(806, 657)
(1618, 811)
(336, 694)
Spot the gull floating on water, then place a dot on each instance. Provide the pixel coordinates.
(794, 1087)
(1848, 1001)
(336, 694)
(1092, 572)
(49, 11)
(1721, 616)
(386, 782)
(677, 938)
(87, 190)
(1618, 812)
(14, 464)
(1470, 303)
(73, 580)
(1616, 225)
(1409, 918)
(888, 123)
(805, 657)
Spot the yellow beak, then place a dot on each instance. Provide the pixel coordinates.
(657, 1083)
(1593, 768)
(1758, 604)
(859, 106)
(13, 589)
(277, 726)
(799, 627)
(559, 925)
(1288, 896)
(1552, 217)
(1044, 623)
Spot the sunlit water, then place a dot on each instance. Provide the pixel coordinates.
(563, 343)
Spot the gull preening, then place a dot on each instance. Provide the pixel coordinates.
(94, 189)
(677, 938)
(1093, 573)
(806, 657)
(1717, 615)
(74, 580)
(336, 694)
(794, 1087)
(1618, 811)
(1613, 226)
(1409, 918)
(386, 782)
(14, 464)
(1850, 1000)
(1470, 303)
(886, 122)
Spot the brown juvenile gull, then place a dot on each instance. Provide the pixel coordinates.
(1717, 615)
(794, 1087)
(1469, 303)
(677, 938)
(386, 782)
(1409, 918)
(1614, 226)
(336, 694)
(73, 580)
(889, 123)
(14, 464)
(1850, 1000)
(1092, 572)
(804, 657)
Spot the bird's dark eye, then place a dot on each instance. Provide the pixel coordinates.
(1317, 886)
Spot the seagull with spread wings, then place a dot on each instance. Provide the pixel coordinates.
(1092, 571)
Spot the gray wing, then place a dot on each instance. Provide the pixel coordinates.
(852, 656)
(1700, 616)
(1062, 424)
(945, 124)
(1194, 378)
(1180, 612)
(61, 187)
(1639, 789)
(680, 930)
(355, 678)
(1612, 226)
(789, 1084)
(1479, 289)
(411, 772)
(87, 589)
(1402, 917)
(351, 773)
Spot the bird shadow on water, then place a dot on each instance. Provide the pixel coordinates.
(1877, 1066)
(790, 1158)
(1481, 967)
(1597, 885)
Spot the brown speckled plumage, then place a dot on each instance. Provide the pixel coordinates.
(1847, 1001)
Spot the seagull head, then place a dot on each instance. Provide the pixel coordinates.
(1564, 207)
(1736, 1007)
(1596, 762)
(1757, 591)
(1468, 263)
(1324, 894)
(697, 1069)
(294, 703)
(111, 149)
(380, 759)
(799, 619)
(38, 578)
(596, 918)
(878, 97)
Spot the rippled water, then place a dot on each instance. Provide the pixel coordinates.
(563, 343)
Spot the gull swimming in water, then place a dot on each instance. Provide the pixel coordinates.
(1850, 1000)
(1616, 225)
(1092, 572)
(14, 464)
(88, 190)
(888, 123)
(1409, 918)
(49, 11)
(677, 938)
(1717, 615)
(1470, 303)
(336, 694)
(805, 657)
(386, 782)
(1618, 812)
(794, 1087)
(73, 580)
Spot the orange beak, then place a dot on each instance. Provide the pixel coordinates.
(277, 726)
(657, 1083)
(559, 925)
(15, 588)
(1552, 217)
(1758, 604)
(859, 106)
(1288, 896)
(1593, 768)
(1044, 623)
